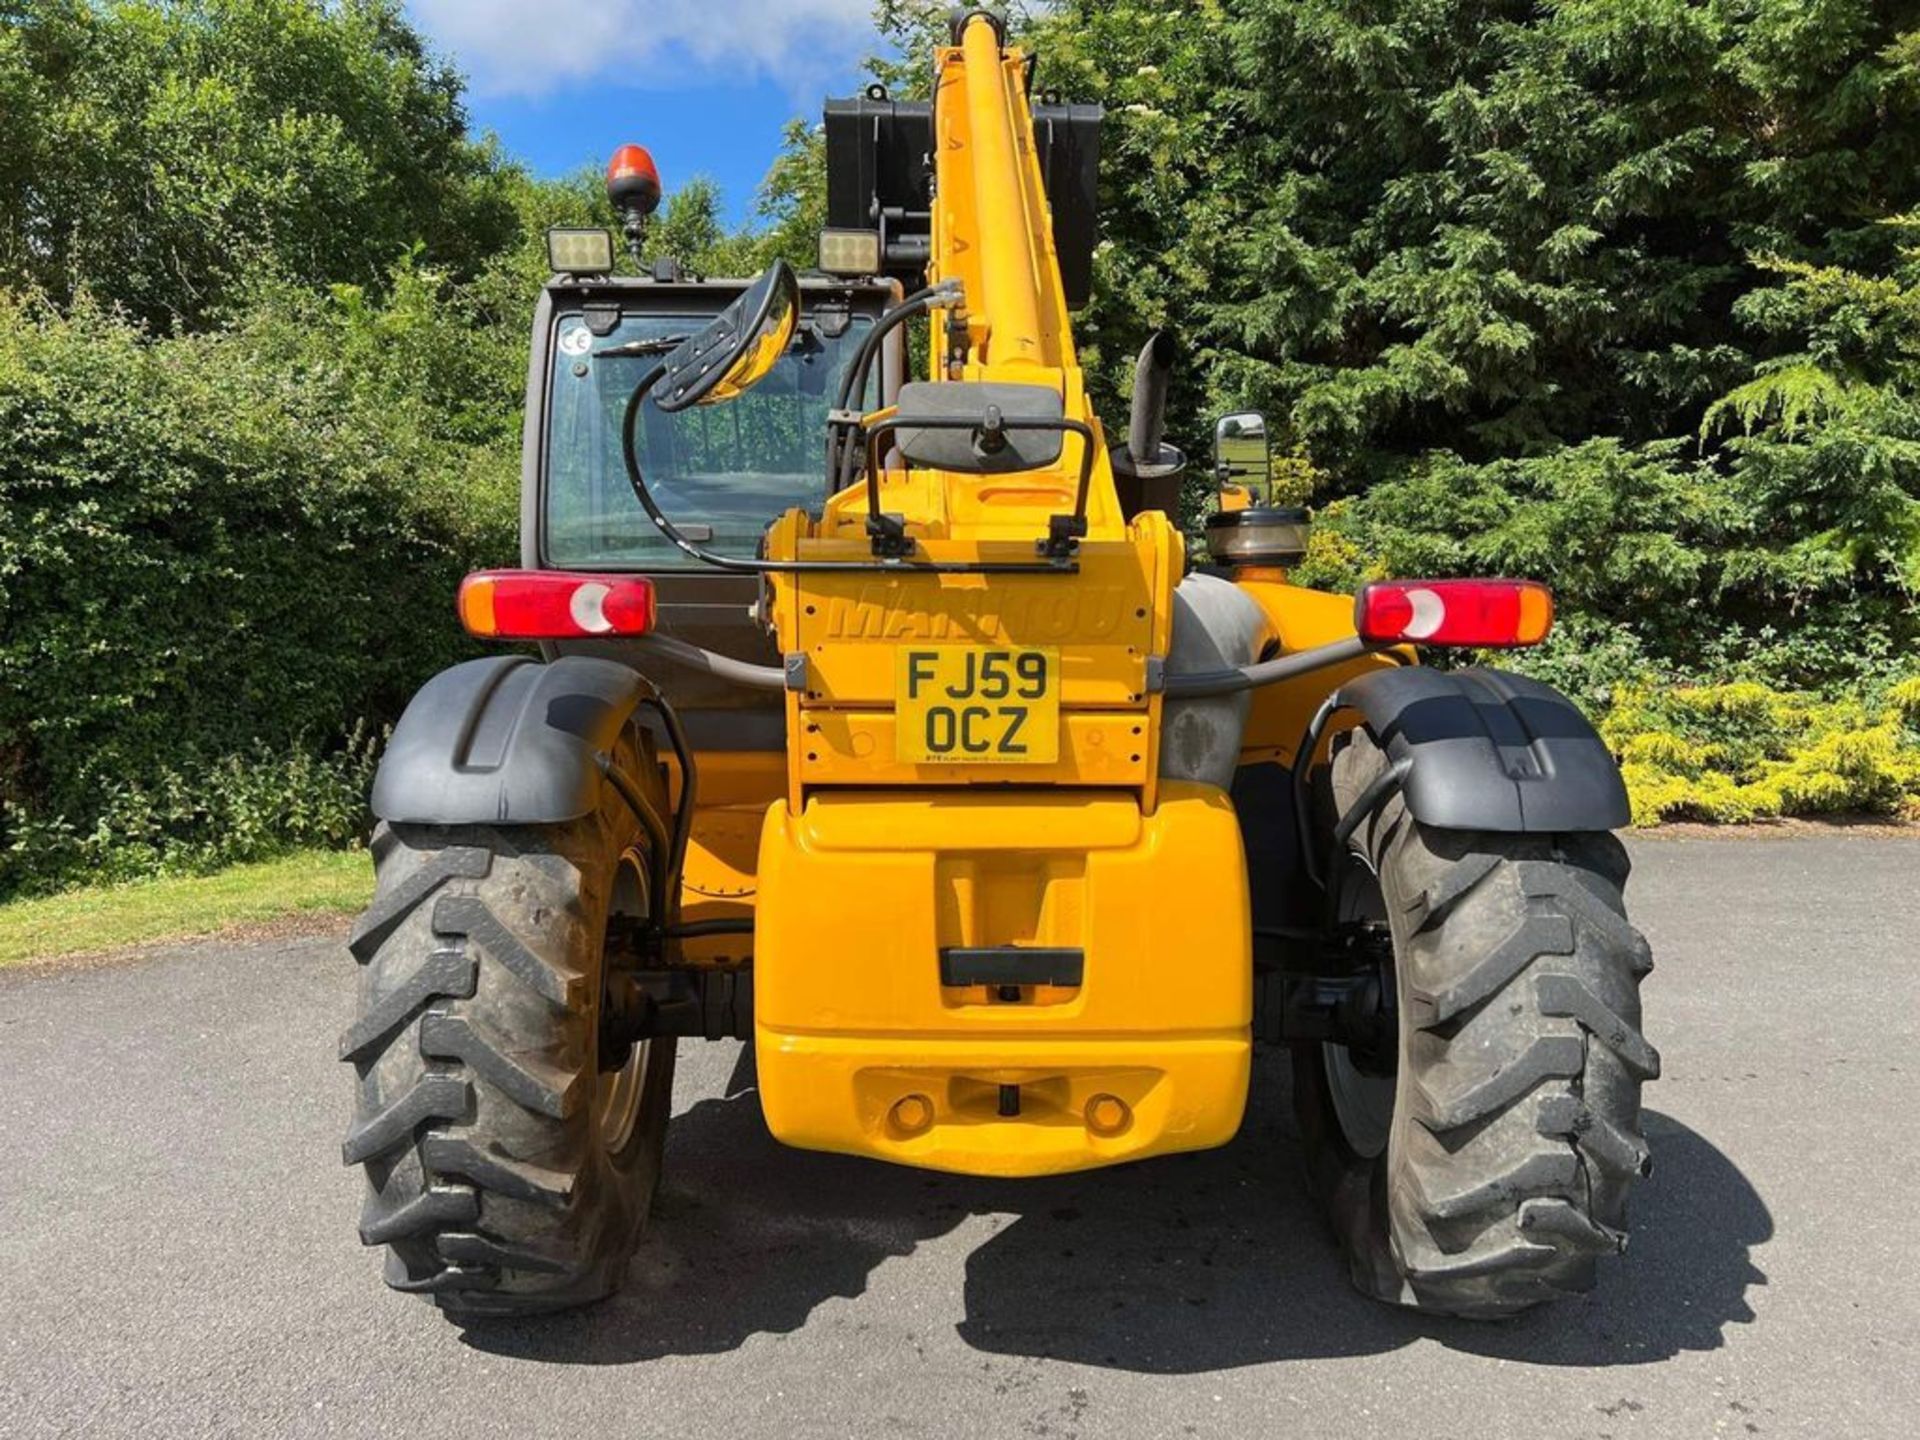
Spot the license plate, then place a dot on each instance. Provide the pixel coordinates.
(965, 705)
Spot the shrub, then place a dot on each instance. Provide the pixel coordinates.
(250, 806)
(1742, 752)
(220, 554)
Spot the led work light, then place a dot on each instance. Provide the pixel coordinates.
(850, 252)
(579, 252)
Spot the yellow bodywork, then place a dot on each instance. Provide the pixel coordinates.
(852, 1018)
(871, 866)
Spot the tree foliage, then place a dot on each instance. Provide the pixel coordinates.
(263, 325)
(1481, 225)
(218, 550)
(160, 152)
(1614, 293)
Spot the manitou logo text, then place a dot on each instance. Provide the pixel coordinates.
(1053, 613)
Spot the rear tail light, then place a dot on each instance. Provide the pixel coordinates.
(1489, 614)
(551, 605)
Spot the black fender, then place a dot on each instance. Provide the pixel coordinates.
(1487, 750)
(507, 741)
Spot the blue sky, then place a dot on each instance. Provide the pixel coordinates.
(707, 85)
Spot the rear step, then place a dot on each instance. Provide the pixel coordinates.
(962, 967)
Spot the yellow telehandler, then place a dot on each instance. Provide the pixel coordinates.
(885, 724)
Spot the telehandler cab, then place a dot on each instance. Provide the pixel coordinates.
(883, 724)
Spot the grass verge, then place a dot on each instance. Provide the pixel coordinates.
(313, 882)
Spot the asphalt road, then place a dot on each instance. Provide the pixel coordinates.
(177, 1253)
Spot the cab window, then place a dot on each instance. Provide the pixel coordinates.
(721, 473)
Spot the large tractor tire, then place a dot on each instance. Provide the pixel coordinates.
(511, 1154)
(1483, 1166)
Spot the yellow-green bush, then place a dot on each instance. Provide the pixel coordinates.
(1741, 752)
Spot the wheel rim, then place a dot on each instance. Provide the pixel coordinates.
(1362, 1103)
(620, 1094)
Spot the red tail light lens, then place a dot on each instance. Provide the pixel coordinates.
(550, 605)
(1490, 614)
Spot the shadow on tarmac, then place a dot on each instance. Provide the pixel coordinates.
(1172, 1266)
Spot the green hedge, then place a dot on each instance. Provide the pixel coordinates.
(225, 561)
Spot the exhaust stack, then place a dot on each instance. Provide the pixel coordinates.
(1146, 470)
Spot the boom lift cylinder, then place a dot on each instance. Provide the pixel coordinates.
(1004, 229)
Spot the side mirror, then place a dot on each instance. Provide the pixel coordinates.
(738, 349)
(1242, 460)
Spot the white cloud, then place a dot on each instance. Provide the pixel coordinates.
(529, 47)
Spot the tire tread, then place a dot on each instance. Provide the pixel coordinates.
(1519, 1138)
(475, 1052)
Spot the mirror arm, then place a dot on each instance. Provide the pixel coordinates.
(1064, 532)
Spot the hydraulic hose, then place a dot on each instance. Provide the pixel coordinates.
(1268, 672)
(721, 667)
(854, 382)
